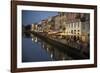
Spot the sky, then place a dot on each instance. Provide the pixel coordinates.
(30, 17)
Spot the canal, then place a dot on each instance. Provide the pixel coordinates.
(36, 50)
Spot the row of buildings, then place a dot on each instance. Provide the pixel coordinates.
(70, 25)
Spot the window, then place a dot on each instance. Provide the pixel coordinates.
(72, 25)
(78, 30)
(83, 25)
(74, 31)
(78, 24)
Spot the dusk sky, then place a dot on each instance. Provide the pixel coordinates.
(29, 17)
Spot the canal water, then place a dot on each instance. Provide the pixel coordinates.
(36, 50)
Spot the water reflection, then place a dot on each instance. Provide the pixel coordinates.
(54, 53)
(39, 50)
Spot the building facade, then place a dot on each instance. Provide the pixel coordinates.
(66, 24)
(75, 25)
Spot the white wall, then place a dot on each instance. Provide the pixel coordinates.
(5, 36)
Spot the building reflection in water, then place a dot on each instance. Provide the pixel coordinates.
(53, 52)
(35, 39)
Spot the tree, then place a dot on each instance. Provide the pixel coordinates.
(27, 27)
